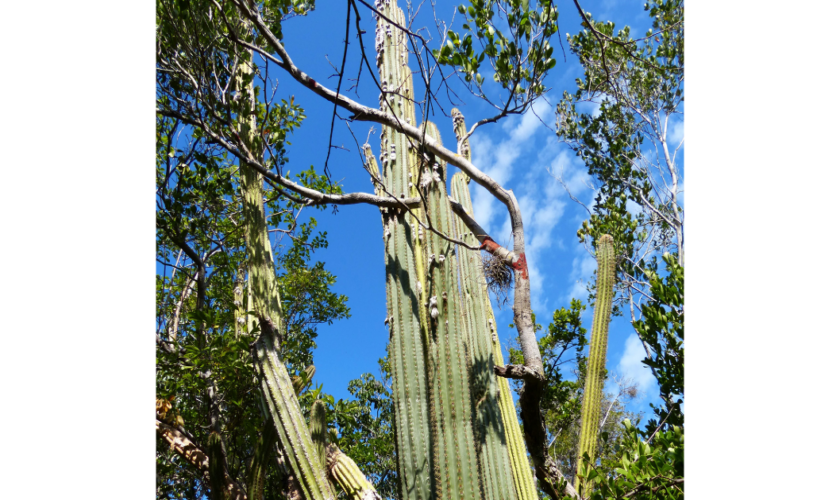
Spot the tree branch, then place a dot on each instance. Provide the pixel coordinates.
(187, 449)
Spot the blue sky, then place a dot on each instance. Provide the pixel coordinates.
(519, 152)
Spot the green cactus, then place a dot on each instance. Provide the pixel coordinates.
(497, 426)
(344, 472)
(302, 382)
(448, 404)
(263, 455)
(456, 467)
(490, 429)
(318, 430)
(408, 346)
(591, 411)
(264, 298)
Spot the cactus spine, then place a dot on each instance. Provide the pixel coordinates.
(277, 390)
(408, 346)
(345, 473)
(497, 415)
(591, 411)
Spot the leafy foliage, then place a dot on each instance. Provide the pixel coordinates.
(642, 468)
(520, 59)
(565, 336)
(563, 344)
(636, 86)
(369, 438)
(661, 327)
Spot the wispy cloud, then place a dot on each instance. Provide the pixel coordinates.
(583, 266)
(676, 131)
(495, 152)
(631, 365)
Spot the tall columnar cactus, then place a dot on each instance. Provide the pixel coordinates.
(591, 411)
(497, 475)
(278, 393)
(456, 466)
(446, 398)
(496, 416)
(409, 343)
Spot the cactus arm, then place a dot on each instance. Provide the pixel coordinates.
(318, 430)
(344, 473)
(264, 451)
(461, 136)
(591, 409)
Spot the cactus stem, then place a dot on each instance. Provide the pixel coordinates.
(595, 368)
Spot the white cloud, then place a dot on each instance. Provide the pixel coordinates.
(583, 266)
(572, 171)
(530, 121)
(497, 158)
(676, 131)
(631, 365)
(607, 5)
